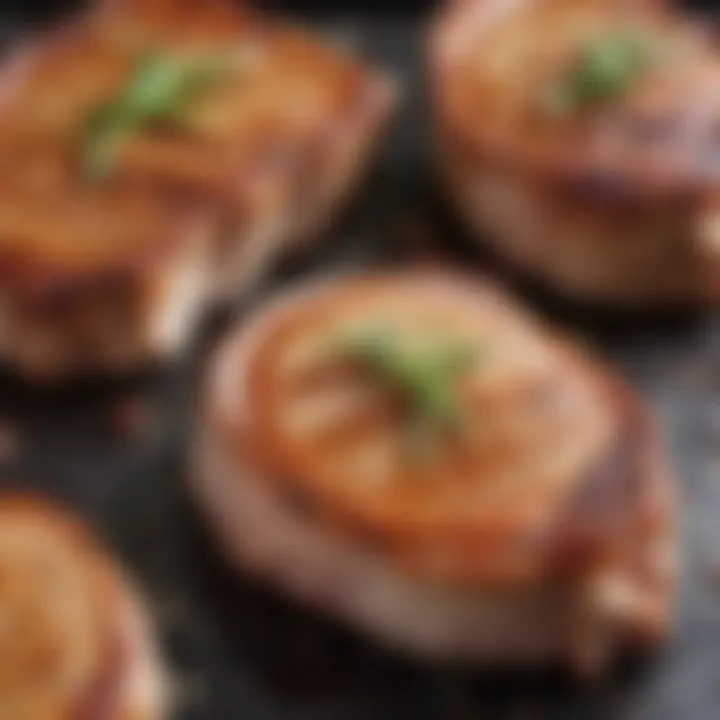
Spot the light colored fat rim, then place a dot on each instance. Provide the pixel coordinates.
(144, 688)
(262, 536)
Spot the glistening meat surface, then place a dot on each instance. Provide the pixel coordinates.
(550, 505)
(609, 197)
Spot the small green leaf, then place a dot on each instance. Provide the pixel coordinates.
(455, 357)
(426, 377)
(105, 129)
(604, 69)
(159, 90)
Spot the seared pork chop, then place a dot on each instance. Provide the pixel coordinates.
(274, 139)
(95, 279)
(579, 140)
(187, 145)
(73, 637)
(530, 520)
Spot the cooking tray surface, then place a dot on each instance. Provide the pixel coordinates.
(117, 454)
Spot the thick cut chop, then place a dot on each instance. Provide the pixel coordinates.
(94, 279)
(272, 129)
(579, 139)
(74, 641)
(156, 157)
(412, 454)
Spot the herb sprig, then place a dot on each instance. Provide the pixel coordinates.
(604, 69)
(426, 378)
(159, 91)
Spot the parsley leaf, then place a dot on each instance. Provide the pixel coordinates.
(426, 378)
(159, 90)
(604, 69)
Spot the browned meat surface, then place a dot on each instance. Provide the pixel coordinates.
(537, 528)
(95, 278)
(73, 637)
(580, 140)
(177, 147)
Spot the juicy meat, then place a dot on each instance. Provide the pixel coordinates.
(611, 200)
(190, 208)
(74, 640)
(283, 131)
(95, 279)
(543, 531)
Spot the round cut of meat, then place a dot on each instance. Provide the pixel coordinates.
(73, 638)
(530, 519)
(578, 139)
(158, 158)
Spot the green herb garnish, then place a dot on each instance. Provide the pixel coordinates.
(604, 69)
(426, 378)
(159, 91)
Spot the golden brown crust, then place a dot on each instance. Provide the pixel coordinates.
(59, 245)
(191, 212)
(613, 200)
(285, 94)
(73, 635)
(544, 423)
(493, 63)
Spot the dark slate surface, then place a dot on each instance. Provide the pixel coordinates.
(237, 652)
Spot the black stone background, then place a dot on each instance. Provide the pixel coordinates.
(236, 652)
